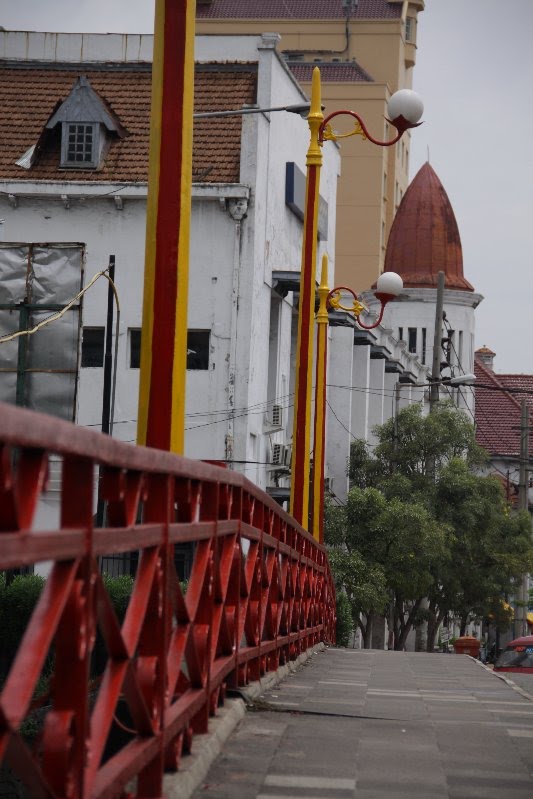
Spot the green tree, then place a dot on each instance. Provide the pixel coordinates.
(489, 550)
(421, 520)
(359, 583)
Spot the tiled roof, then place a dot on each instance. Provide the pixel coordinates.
(330, 72)
(295, 9)
(29, 94)
(424, 237)
(498, 412)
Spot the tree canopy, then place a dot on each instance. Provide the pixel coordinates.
(420, 523)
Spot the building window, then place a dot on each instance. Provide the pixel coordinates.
(36, 280)
(198, 349)
(79, 145)
(410, 23)
(424, 342)
(135, 347)
(92, 346)
(291, 55)
(400, 334)
(411, 341)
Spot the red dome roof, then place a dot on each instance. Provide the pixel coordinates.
(424, 238)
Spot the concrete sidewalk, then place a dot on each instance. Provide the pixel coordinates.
(375, 724)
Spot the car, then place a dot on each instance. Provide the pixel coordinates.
(517, 656)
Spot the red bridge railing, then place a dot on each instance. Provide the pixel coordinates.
(259, 594)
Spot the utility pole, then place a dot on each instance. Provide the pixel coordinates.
(107, 403)
(437, 344)
(422, 629)
(523, 502)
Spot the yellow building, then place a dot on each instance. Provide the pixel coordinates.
(366, 50)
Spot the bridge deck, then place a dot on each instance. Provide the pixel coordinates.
(381, 724)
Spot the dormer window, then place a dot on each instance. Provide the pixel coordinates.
(79, 144)
(87, 124)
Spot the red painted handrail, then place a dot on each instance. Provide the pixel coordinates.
(260, 593)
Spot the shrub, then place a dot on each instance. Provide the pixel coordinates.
(17, 601)
(119, 590)
(344, 619)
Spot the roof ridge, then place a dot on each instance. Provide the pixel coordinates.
(492, 375)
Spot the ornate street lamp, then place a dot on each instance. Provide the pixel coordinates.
(404, 109)
(388, 286)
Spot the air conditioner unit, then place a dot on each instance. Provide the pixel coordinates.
(281, 456)
(278, 452)
(328, 484)
(277, 416)
(274, 418)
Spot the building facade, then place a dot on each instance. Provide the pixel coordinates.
(366, 50)
(93, 92)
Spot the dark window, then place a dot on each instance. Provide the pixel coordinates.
(424, 343)
(411, 342)
(92, 346)
(198, 349)
(79, 144)
(400, 333)
(135, 347)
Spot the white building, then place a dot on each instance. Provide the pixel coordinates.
(248, 173)
(424, 241)
(246, 235)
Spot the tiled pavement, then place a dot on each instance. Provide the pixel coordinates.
(381, 724)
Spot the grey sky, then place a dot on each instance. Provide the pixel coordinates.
(474, 71)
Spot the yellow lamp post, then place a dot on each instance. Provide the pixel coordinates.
(404, 109)
(388, 286)
(164, 326)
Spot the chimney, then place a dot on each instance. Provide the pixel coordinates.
(486, 356)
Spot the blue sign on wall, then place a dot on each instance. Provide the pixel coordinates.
(295, 198)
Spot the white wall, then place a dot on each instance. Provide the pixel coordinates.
(231, 259)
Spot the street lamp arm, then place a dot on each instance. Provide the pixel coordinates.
(388, 286)
(404, 109)
(326, 132)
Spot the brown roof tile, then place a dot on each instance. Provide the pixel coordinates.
(330, 72)
(498, 412)
(424, 237)
(295, 9)
(29, 94)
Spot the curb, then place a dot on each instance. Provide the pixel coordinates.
(206, 748)
(507, 680)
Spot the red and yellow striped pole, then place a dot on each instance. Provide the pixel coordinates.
(161, 418)
(319, 435)
(301, 436)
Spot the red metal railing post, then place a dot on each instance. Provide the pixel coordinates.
(259, 593)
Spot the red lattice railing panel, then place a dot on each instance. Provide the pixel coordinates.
(260, 593)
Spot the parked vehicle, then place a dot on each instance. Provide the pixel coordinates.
(517, 656)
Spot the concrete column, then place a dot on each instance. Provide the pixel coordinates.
(339, 422)
(390, 380)
(375, 403)
(360, 394)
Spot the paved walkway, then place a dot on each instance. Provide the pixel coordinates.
(381, 724)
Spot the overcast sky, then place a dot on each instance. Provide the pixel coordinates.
(475, 73)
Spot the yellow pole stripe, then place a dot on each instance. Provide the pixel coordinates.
(177, 432)
(151, 221)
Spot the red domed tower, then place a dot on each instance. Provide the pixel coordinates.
(424, 240)
(424, 237)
